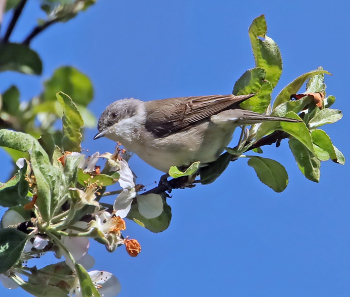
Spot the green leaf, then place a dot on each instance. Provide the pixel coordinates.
(87, 287)
(322, 140)
(50, 107)
(57, 154)
(43, 174)
(340, 156)
(329, 101)
(257, 150)
(253, 82)
(14, 192)
(57, 272)
(47, 143)
(266, 128)
(270, 172)
(57, 137)
(175, 172)
(320, 153)
(297, 130)
(316, 83)
(47, 281)
(281, 111)
(325, 116)
(48, 177)
(11, 4)
(43, 290)
(100, 179)
(64, 10)
(88, 117)
(19, 58)
(12, 243)
(294, 87)
(15, 155)
(155, 225)
(311, 111)
(211, 172)
(296, 106)
(10, 101)
(266, 52)
(70, 81)
(307, 162)
(72, 124)
(71, 169)
(16, 140)
(260, 102)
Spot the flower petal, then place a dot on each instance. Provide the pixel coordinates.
(11, 217)
(39, 243)
(8, 282)
(20, 162)
(91, 161)
(123, 212)
(87, 261)
(110, 285)
(77, 246)
(124, 199)
(126, 179)
(150, 205)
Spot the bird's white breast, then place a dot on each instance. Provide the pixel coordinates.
(203, 142)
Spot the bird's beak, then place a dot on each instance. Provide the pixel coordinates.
(100, 134)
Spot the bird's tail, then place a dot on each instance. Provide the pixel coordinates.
(245, 117)
(251, 117)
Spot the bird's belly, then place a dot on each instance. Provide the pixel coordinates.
(184, 148)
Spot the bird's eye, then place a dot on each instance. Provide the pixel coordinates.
(114, 115)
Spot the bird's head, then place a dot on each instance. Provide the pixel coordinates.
(115, 113)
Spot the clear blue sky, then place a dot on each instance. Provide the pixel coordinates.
(235, 237)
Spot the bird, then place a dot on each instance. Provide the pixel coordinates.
(177, 131)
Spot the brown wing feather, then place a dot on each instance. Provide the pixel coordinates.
(171, 115)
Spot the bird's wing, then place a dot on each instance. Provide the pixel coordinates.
(168, 116)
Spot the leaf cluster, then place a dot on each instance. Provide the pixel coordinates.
(51, 189)
(309, 144)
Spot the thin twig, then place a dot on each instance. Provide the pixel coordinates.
(38, 29)
(16, 14)
(274, 137)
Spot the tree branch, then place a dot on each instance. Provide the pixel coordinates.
(16, 14)
(38, 29)
(275, 137)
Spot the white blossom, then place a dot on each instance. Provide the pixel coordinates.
(105, 282)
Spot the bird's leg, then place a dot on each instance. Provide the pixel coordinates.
(243, 138)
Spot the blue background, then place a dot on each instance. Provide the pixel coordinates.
(235, 237)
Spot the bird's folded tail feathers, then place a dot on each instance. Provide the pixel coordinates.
(246, 117)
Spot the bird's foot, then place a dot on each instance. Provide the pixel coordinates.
(163, 182)
(176, 183)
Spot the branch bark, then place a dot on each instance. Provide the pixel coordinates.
(16, 14)
(38, 29)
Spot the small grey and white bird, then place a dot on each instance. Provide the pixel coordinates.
(177, 131)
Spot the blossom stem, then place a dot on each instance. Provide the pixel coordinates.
(18, 280)
(60, 216)
(82, 234)
(111, 193)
